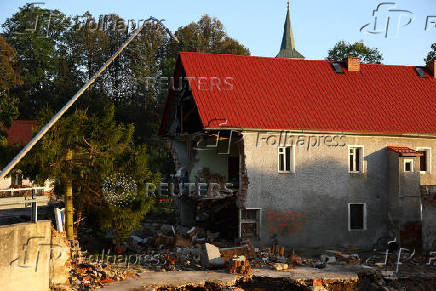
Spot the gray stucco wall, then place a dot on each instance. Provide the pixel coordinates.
(429, 225)
(321, 188)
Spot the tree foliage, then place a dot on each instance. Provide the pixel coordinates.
(39, 56)
(342, 50)
(100, 147)
(431, 56)
(9, 77)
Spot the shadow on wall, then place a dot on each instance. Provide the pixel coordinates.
(320, 190)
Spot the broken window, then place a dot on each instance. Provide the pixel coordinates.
(425, 160)
(286, 161)
(408, 165)
(249, 223)
(355, 156)
(356, 216)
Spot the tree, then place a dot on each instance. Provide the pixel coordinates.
(39, 56)
(83, 149)
(8, 112)
(431, 56)
(9, 78)
(342, 50)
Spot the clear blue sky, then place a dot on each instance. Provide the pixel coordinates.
(317, 24)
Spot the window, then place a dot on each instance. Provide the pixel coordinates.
(425, 160)
(356, 216)
(18, 179)
(355, 159)
(420, 72)
(249, 223)
(408, 165)
(286, 162)
(337, 67)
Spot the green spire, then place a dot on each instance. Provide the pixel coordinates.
(287, 49)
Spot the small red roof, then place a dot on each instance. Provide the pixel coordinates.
(21, 131)
(291, 94)
(404, 151)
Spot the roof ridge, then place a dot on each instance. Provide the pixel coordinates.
(292, 60)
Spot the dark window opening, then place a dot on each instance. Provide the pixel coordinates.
(408, 166)
(423, 161)
(288, 158)
(357, 216)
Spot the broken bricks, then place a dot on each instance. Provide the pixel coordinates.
(295, 260)
(278, 250)
(239, 265)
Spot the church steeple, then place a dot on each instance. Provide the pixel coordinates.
(287, 49)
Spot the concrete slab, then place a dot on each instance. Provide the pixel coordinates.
(176, 279)
(179, 279)
(331, 272)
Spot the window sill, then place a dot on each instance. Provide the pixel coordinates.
(356, 173)
(286, 173)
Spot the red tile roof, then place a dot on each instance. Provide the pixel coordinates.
(21, 131)
(405, 151)
(270, 93)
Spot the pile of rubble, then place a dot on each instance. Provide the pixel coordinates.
(163, 247)
(92, 275)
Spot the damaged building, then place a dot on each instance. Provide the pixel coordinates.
(306, 153)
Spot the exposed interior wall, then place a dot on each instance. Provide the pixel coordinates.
(209, 159)
(308, 208)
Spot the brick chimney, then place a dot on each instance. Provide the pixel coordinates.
(353, 64)
(431, 65)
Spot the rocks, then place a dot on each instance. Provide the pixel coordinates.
(280, 266)
(211, 256)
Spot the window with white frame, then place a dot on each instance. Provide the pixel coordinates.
(249, 226)
(425, 160)
(356, 216)
(286, 159)
(408, 165)
(355, 159)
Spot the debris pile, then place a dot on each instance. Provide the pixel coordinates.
(88, 276)
(239, 265)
